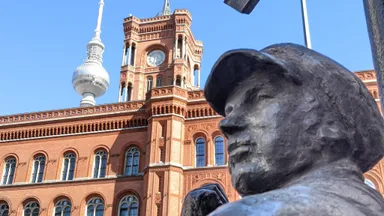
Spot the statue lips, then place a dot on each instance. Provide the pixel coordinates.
(238, 149)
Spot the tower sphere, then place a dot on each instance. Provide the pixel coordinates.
(90, 77)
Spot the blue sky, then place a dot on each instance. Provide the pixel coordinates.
(42, 42)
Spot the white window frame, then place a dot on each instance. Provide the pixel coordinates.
(32, 209)
(214, 150)
(149, 83)
(205, 152)
(370, 183)
(62, 206)
(125, 200)
(68, 157)
(5, 209)
(131, 150)
(9, 160)
(38, 168)
(100, 154)
(95, 205)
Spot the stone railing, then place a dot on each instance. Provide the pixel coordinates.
(74, 112)
(73, 129)
(196, 95)
(167, 91)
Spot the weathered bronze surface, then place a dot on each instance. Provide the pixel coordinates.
(301, 131)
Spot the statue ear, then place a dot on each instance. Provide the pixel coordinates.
(332, 136)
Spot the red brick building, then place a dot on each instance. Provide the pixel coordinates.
(139, 156)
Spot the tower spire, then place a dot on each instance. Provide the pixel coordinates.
(166, 9)
(99, 18)
(90, 79)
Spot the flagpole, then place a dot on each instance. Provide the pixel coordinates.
(304, 13)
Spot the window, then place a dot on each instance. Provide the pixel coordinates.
(132, 158)
(38, 169)
(129, 206)
(196, 76)
(370, 183)
(32, 209)
(178, 81)
(162, 130)
(219, 150)
(133, 53)
(159, 81)
(4, 209)
(95, 207)
(129, 92)
(69, 163)
(9, 171)
(100, 164)
(149, 84)
(200, 152)
(63, 208)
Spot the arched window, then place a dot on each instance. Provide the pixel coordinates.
(219, 151)
(38, 169)
(200, 152)
(132, 158)
(100, 164)
(159, 81)
(63, 208)
(4, 209)
(178, 81)
(196, 75)
(129, 92)
(133, 54)
(69, 163)
(9, 171)
(129, 206)
(95, 207)
(149, 83)
(127, 54)
(32, 209)
(370, 183)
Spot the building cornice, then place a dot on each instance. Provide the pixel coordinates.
(79, 113)
(72, 113)
(76, 181)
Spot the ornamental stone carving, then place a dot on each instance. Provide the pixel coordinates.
(158, 197)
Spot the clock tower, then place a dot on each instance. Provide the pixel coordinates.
(159, 51)
(161, 65)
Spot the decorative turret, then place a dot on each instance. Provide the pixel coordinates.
(90, 79)
(166, 9)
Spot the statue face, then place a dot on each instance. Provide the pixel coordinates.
(265, 120)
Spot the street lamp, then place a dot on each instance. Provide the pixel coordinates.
(247, 6)
(374, 12)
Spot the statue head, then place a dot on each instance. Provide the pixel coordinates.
(288, 109)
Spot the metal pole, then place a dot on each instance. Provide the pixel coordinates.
(307, 36)
(247, 6)
(374, 13)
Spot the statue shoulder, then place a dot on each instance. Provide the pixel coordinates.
(275, 203)
(299, 201)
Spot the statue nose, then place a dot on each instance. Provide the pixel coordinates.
(232, 125)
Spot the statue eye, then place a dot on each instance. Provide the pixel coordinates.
(264, 96)
(228, 109)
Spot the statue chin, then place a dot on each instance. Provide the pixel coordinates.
(250, 179)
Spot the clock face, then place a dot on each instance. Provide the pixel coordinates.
(156, 58)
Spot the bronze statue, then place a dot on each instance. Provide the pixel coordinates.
(301, 130)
